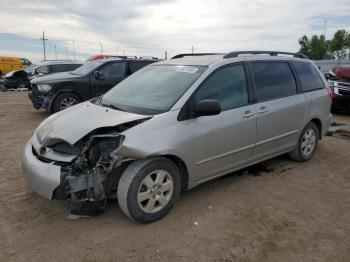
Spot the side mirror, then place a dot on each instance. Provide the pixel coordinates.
(207, 107)
(98, 75)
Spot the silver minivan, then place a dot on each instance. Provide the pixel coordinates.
(176, 124)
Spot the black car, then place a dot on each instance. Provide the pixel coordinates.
(21, 78)
(59, 91)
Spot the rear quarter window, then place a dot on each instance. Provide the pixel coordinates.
(309, 77)
(137, 65)
(273, 80)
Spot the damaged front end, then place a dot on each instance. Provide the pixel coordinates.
(79, 161)
(87, 181)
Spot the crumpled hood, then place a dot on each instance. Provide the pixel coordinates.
(10, 74)
(14, 73)
(73, 123)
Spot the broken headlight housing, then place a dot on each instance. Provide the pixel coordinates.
(65, 148)
(44, 88)
(103, 150)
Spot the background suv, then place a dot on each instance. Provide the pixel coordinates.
(175, 125)
(94, 78)
(21, 78)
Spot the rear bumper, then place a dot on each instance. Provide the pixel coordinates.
(42, 178)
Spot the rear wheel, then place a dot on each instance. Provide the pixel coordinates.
(148, 189)
(64, 101)
(307, 143)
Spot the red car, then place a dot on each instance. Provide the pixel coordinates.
(339, 81)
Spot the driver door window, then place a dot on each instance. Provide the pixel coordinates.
(111, 74)
(115, 70)
(228, 85)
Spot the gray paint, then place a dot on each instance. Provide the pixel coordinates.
(210, 146)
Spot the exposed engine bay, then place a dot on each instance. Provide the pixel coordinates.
(83, 182)
(92, 176)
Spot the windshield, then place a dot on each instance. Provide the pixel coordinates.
(153, 89)
(87, 67)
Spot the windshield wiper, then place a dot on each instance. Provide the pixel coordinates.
(112, 106)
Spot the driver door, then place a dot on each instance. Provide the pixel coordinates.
(109, 75)
(226, 141)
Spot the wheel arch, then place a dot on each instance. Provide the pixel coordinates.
(318, 123)
(63, 92)
(182, 168)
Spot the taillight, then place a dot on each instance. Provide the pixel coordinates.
(330, 92)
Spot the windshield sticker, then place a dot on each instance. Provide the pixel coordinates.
(187, 69)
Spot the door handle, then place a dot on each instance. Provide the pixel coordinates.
(262, 110)
(248, 114)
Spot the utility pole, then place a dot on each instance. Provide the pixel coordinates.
(166, 55)
(192, 49)
(44, 39)
(117, 50)
(124, 52)
(73, 52)
(66, 53)
(324, 34)
(56, 52)
(101, 47)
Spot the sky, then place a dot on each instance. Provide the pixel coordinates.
(151, 27)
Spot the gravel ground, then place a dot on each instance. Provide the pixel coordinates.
(276, 211)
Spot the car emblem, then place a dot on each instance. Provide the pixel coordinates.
(42, 150)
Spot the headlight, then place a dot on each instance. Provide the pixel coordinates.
(44, 88)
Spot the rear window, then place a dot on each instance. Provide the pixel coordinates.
(273, 80)
(309, 78)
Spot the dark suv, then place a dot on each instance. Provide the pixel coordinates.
(94, 78)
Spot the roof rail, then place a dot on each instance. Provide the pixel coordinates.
(271, 53)
(194, 54)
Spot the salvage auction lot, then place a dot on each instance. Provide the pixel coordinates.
(280, 210)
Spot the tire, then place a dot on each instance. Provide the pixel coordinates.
(22, 84)
(69, 99)
(136, 198)
(307, 143)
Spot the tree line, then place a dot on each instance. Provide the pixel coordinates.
(318, 48)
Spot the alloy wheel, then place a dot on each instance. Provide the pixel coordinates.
(67, 102)
(309, 141)
(155, 191)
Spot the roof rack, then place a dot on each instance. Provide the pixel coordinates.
(194, 54)
(271, 53)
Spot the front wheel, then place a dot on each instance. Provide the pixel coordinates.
(307, 143)
(64, 101)
(148, 189)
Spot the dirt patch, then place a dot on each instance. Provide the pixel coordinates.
(279, 210)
